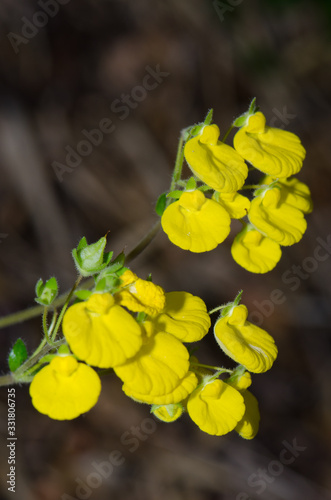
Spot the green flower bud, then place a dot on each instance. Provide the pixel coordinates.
(47, 292)
(91, 259)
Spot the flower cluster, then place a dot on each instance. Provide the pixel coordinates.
(200, 217)
(140, 332)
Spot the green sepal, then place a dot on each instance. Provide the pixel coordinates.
(175, 194)
(241, 120)
(91, 259)
(191, 184)
(64, 349)
(209, 117)
(83, 294)
(161, 204)
(117, 264)
(47, 292)
(17, 355)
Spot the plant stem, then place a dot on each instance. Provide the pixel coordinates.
(176, 175)
(59, 319)
(143, 243)
(227, 133)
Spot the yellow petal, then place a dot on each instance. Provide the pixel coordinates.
(100, 332)
(240, 382)
(274, 151)
(157, 368)
(293, 192)
(248, 427)
(255, 252)
(65, 389)
(216, 408)
(215, 163)
(185, 387)
(235, 204)
(245, 343)
(184, 316)
(276, 219)
(196, 223)
(142, 296)
(168, 413)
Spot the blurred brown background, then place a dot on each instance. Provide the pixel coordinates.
(80, 65)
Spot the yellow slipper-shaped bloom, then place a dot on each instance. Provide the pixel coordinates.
(65, 388)
(235, 204)
(245, 343)
(274, 151)
(156, 370)
(216, 407)
(185, 387)
(248, 427)
(184, 316)
(275, 218)
(168, 413)
(215, 163)
(293, 192)
(255, 252)
(100, 332)
(140, 295)
(196, 223)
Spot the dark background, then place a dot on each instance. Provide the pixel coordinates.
(65, 79)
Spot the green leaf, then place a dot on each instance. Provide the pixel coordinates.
(175, 194)
(17, 355)
(191, 184)
(161, 204)
(83, 294)
(209, 117)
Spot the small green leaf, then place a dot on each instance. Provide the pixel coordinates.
(17, 355)
(209, 117)
(191, 184)
(175, 194)
(83, 294)
(161, 204)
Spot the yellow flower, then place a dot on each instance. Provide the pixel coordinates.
(216, 407)
(215, 163)
(140, 295)
(184, 316)
(255, 252)
(235, 204)
(65, 388)
(274, 151)
(196, 223)
(248, 427)
(167, 413)
(275, 218)
(293, 192)
(245, 343)
(100, 332)
(159, 372)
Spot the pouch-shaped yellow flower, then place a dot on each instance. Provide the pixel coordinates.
(157, 369)
(185, 387)
(196, 223)
(272, 150)
(255, 252)
(65, 388)
(293, 192)
(275, 218)
(184, 316)
(235, 204)
(140, 295)
(245, 343)
(101, 332)
(216, 407)
(215, 163)
(248, 427)
(167, 413)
